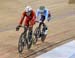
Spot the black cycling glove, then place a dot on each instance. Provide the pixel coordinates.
(17, 28)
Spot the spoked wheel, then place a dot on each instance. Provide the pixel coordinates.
(29, 40)
(37, 33)
(43, 37)
(21, 43)
(34, 40)
(29, 45)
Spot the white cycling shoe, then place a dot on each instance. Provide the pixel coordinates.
(46, 31)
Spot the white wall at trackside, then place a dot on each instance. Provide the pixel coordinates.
(64, 51)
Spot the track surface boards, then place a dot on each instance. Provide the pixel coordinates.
(61, 27)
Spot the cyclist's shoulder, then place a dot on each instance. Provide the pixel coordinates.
(23, 13)
(33, 13)
(46, 9)
(38, 10)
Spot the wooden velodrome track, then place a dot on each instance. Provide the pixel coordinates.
(61, 27)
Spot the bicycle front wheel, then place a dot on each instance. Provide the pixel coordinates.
(43, 37)
(37, 33)
(21, 43)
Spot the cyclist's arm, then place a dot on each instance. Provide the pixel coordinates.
(34, 15)
(22, 18)
(49, 16)
(37, 15)
(46, 14)
(32, 21)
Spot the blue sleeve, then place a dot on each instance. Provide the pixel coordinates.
(46, 14)
(37, 13)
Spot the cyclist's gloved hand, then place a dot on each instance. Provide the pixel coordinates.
(17, 28)
(48, 19)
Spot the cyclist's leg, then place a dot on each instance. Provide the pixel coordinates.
(44, 26)
(49, 17)
(45, 29)
(26, 24)
(40, 25)
(41, 20)
(30, 33)
(25, 31)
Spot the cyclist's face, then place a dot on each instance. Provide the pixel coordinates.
(28, 13)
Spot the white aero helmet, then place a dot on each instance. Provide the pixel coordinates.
(28, 9)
